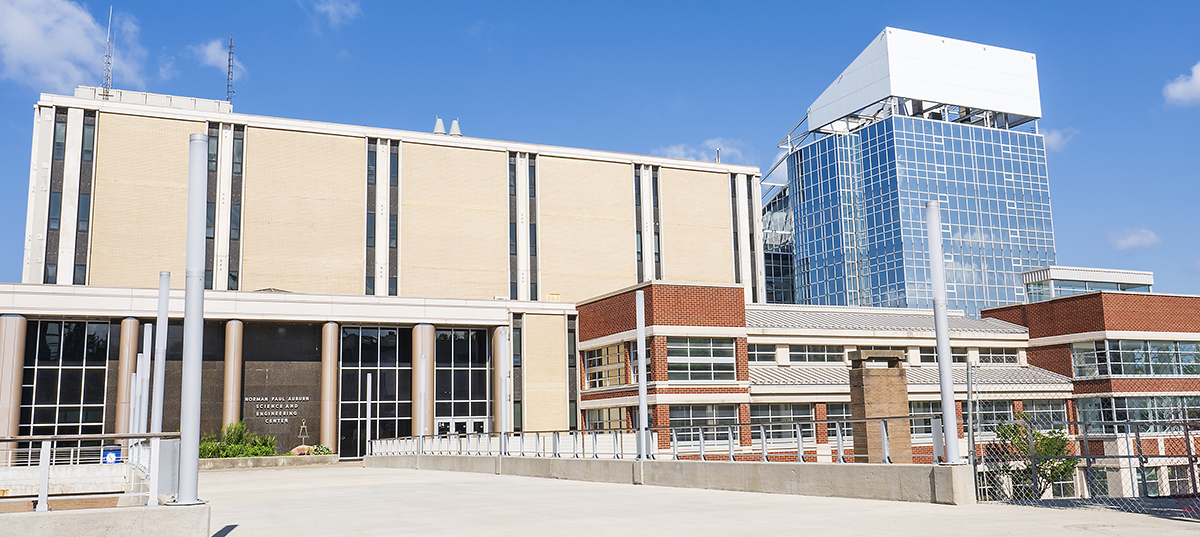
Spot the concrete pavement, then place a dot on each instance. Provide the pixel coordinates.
(350, 500)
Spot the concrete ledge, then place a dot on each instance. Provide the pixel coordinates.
(897, 482)
(166, 521)
(232, 463)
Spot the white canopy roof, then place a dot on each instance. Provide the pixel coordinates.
(912, 65)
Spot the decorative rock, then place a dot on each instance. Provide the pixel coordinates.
(302, 449)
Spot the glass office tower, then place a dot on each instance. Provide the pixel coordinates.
(858, 201)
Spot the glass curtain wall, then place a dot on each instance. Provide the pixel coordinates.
(384, 353)
(860, 218)
(65, 378)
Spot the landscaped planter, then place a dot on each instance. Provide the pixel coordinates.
(267, 462)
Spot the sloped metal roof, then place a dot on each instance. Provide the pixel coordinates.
(808, 375)
(874, 319)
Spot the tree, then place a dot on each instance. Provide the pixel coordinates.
(1018, 443)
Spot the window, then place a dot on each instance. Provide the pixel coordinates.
(65, 378)
(516, 342)
(1179, 479)
(694, 416)
(604, 367)
(923, 426)
(838, 411)
(816, 353)
(370, 230)
(370, 288)
(210, 220)
(632, 351)
(958, 355)
(1134, 357)
(607, 418)
(782, 412)
(80, 275)
(394, 168)
(55, 209)
(1151, 414)
(1046, 414)
(997, 356)
(700, 358)
(991, 413)
(84, 211)
(1064, 488)
(235, 222)
(393, 230)
(1148, 478)
(571, 341)
(761, 353)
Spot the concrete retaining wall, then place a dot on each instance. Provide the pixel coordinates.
(165, 521)
(898, 482)
(267, 462)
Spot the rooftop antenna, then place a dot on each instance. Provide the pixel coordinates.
(718, 155)
(229, 83)
(106, 86)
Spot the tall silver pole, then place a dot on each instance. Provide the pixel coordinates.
(160, 351)
(160, 375)
(643, 430)
(193, 322)
(937, 269)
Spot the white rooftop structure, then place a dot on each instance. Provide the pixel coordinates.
(1099, 275)
(930, 68)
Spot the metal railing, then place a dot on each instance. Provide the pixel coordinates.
(44, 451)
(773, 441)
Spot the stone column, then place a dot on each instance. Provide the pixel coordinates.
(877, 392)
(329, 387)
(422, 381)
(501, 381)
(12, 364)
(126, 360)
(231, 409)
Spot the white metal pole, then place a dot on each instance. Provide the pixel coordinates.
(160, 351)
(937, 269)
(160, 375)
(143, 385)
(643, 410)
(193, 322)
(368, 443)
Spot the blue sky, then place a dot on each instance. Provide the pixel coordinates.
(1120, 104)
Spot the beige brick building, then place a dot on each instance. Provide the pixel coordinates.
(390, 253)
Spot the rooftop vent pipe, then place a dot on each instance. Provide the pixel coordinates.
(454, 128)
(439, 127)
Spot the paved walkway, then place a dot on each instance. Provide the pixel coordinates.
(355, 501)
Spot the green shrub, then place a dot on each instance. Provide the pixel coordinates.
(321, 449)
(236, 441)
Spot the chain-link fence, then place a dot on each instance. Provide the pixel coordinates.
(1136, 453)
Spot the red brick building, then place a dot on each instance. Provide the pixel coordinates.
(1132, 357)
(714, 360)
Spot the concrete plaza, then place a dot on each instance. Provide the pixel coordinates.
(350, 500)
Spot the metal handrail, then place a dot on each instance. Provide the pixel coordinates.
(82, 437)
(691, 436)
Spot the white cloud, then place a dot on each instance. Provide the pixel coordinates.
(337, 11)
(50, 45)
(1133, 238)
(166, 67)
(1057, 139)
(215, 53)
(1185, 89)
(732, 151)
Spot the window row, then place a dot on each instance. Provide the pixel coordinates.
(1135, 357)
